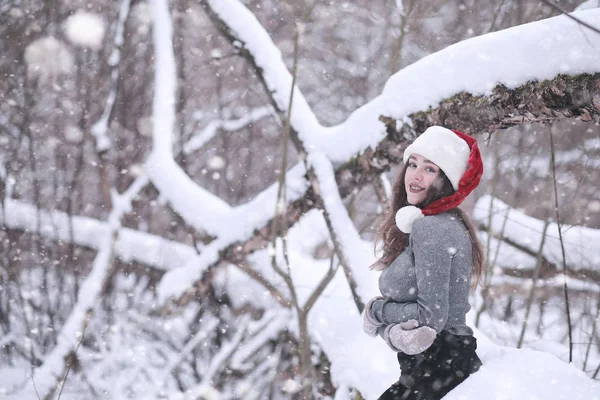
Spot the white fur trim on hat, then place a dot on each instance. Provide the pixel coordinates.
(444, 148)
(406, 216)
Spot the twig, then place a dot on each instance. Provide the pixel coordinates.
(536, 273)
(321, 286)
(562, 248)
(592, 335)
(566, 13)
(34, 386)
(495, 19)
(489, 267)
(72, 356)
(277, 295)
(281, 191)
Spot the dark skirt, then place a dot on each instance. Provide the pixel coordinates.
(435, 372)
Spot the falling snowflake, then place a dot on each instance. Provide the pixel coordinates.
(85, 29)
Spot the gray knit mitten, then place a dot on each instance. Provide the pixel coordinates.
(408, 337)
(370, 323)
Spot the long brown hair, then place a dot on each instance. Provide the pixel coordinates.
(394, 241)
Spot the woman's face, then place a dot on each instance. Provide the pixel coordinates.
(420, 176)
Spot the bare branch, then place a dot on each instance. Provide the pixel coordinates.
(321, 286)
(566, 13)
(277, 295)
(562, 249)
(534, 279)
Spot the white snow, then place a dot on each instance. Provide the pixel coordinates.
(504, 255)
(511, 374)
(400, 7)
(85, 29)
(216, 162)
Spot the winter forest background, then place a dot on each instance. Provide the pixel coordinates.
(152, 246)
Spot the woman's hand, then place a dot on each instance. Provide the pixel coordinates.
(370, 323)
(408, 337)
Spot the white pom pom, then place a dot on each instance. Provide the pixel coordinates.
(406, 216)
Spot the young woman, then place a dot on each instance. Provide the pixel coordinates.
(430, 257)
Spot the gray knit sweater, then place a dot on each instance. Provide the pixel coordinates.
(430, 280)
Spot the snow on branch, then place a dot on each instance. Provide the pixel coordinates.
(500, 80)
(205, 388)
(151, 250)
(196, 205)
(100, 128)
(352, 247)
(263, 331)
(210, 130)
(525, 233)
(239, 24)
(52, 373)
(490, 66)
(244, 231)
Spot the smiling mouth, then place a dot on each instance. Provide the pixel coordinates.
(415, 189)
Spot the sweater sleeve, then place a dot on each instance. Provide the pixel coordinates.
(433, 250)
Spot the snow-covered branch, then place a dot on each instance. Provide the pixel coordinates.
(51, 373)
(525, 233)
(206, 134)
(99, 129)
(131, 245)
(353, 252)
(214, 215)
(205, 387)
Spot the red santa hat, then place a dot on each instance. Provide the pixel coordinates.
(458, 156)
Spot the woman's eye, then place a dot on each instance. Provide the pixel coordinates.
(412, 165)
(429, 169)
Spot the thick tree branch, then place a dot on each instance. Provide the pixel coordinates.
(564, 97)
